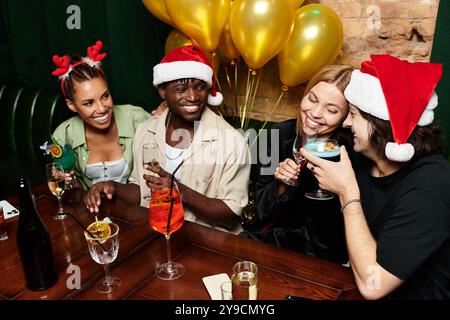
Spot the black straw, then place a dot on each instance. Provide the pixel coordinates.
(172, 182)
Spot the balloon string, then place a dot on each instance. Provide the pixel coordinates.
(255, 90)
(227, 75)
(268, 117)
(247, 93)
(222, 107)
(218, 82)
(235, 90)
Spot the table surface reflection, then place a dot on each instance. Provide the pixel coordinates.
(203, 251)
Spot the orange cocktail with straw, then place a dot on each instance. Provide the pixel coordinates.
(160, 203)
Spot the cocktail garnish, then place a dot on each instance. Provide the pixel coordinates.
(330, 146)
(100, 230)
(56, 151)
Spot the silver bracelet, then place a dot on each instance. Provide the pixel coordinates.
(346, 203)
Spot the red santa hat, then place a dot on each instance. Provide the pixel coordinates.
(187, 62)
(397, 91)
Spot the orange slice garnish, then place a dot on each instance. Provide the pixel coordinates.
(55, 151)
(329, 146)
(100, 230)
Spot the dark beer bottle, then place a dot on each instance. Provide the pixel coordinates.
(34, 244)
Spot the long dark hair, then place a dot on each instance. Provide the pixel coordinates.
(425, 139)
(80, 73)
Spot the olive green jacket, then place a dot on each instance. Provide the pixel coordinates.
(127, 119)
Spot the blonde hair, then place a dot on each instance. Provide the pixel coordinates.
(338, 75)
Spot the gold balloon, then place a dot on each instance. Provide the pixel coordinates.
(226, 44)
(315, 42)
(175, 40)
(201, 20)
(260, 28)
(158, 9)
(297, 3)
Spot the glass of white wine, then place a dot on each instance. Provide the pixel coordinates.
(56, 184)
(245, 281)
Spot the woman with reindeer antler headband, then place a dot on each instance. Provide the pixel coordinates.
(101, 133)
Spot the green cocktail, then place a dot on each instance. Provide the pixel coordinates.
(67, 159)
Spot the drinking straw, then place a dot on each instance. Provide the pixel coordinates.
(172, 178)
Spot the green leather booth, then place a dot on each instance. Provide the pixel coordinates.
(28, 116)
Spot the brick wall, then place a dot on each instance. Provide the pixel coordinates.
(404, 28)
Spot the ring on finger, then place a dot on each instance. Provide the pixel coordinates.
(312, 168)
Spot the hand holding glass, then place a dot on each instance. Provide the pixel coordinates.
(56, 184)
(147, 160)
(327, 149)
(297, 158)
(104, 251)
(67, 160)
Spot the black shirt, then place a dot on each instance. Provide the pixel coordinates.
(408, 213)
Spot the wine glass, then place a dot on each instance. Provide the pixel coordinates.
(104, 250)
(166, 215)
(56, 184)
(147, 159)
(297, 158)
(326, 149)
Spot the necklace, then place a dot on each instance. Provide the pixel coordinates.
(169, 147)
(170, 157)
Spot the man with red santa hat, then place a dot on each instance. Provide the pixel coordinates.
(208, 158)
(396, 198)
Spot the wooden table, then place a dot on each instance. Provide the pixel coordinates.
(203, 251)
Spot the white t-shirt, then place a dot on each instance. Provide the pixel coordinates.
(174, 156)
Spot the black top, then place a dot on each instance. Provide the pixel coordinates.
(308, 226)
(408, 213)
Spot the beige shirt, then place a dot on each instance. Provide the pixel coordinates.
(216, 164)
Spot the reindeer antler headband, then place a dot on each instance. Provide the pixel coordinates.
(93, 59)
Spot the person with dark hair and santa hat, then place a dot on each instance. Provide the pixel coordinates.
(395, 193)
(209, 159)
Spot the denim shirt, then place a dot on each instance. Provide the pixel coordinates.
(127, 118)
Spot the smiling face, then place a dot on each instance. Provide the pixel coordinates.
(93, 103)
(361, 130)
(323, 109)
(186, 98)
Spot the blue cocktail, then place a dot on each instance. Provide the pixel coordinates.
(327, 149)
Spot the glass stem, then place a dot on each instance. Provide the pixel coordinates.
(107, 280)
(169, 257)
(61, 209)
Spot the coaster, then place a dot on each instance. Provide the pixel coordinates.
(212, 284)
